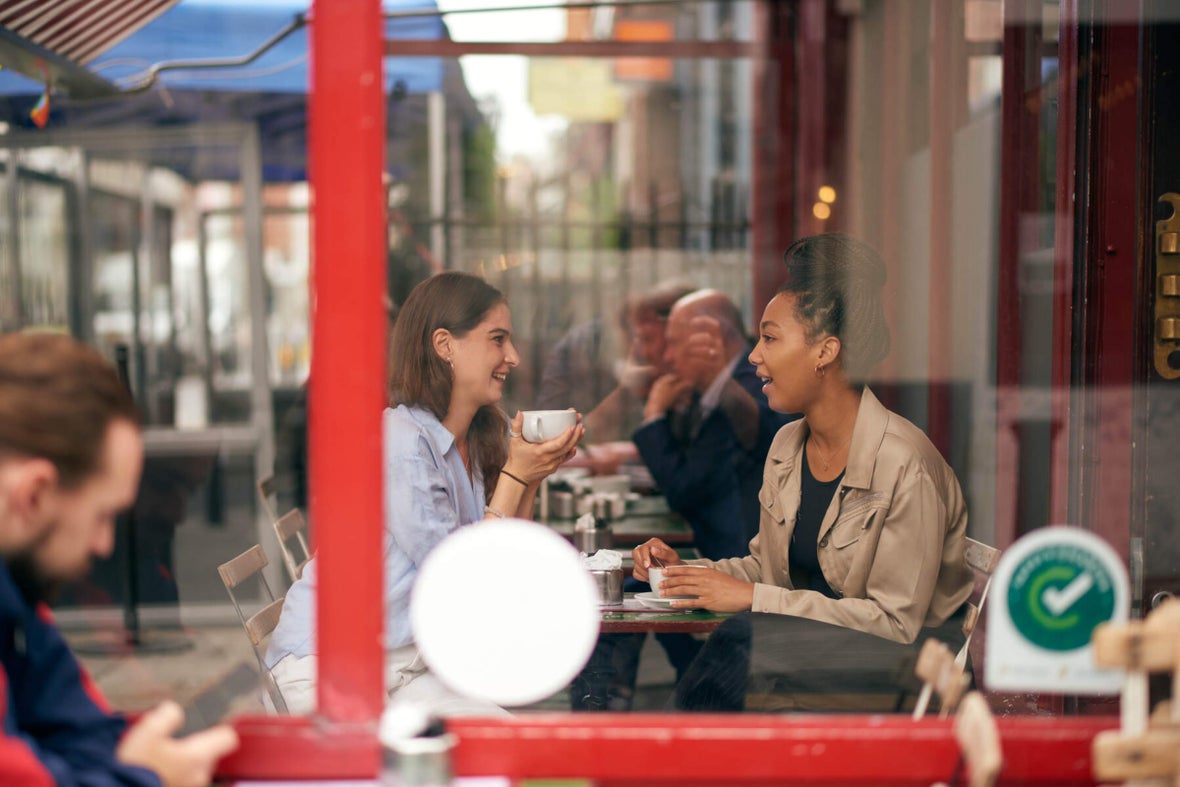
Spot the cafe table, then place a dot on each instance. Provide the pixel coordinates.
(632, 530)
(634, 618)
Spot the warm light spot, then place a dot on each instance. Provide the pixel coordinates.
(827, 194)
(821, 211)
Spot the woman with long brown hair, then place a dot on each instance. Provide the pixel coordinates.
(451, 458)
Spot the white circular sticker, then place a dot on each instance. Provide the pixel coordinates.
(504, 611)
(1051, 589)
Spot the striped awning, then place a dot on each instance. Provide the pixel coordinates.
(78, 30)
(52, 41)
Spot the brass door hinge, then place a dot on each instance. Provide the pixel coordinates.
(1167, 291)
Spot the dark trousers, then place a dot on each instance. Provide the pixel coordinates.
(607, 682)
(759, 661)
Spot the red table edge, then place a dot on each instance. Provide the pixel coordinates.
(721, 749)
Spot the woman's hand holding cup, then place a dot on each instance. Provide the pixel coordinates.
(533, 461)
(652, 552)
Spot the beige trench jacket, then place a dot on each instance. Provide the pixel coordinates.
(891, 544)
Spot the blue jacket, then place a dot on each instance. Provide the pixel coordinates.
(713, 482)
(51, 708)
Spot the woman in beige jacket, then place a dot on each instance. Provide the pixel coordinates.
(859, 553)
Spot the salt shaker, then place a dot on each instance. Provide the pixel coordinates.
(417, 750)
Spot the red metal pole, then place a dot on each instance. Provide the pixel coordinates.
(775, 107)
(944, 32)
(894, 143)
(1112, 278)
(1019, 165)
(347, 386)
(811, 154)
(1060, 452)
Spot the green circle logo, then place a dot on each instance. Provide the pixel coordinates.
(1058, 595)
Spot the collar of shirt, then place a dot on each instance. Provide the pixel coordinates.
(712, 395)
(439, 434)
(444, 442)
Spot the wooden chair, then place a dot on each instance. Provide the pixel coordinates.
(268, 493)
(261, 623)
(942, 674)
(979, 739)
(983, 561)
(975, 727)
(290, 529)
(1144, 748)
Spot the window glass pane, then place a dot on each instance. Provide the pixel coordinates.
(594, 183)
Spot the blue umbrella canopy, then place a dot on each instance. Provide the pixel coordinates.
(158, 71)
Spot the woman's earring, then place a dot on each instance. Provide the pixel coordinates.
(820, 370)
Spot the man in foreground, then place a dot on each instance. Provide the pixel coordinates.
(70, 461)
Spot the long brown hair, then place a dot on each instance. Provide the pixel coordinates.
(419, 377)
(57, 399)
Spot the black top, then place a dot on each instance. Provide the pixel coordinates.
(814, 500)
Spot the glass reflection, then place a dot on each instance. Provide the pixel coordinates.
(593, 210)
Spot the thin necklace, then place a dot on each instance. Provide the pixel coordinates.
(827, 460)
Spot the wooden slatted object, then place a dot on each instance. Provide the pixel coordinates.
(259, 625)
(1146, 746)
(290, 529)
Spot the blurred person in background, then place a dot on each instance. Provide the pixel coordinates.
(704, 439)
(707, 424)
(606, 372)
(70, 460)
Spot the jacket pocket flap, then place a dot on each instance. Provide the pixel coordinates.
(769, 499)
(845, 534)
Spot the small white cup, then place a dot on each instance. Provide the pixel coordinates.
(655, 575)
(541, 425)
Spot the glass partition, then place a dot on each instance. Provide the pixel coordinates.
(593, 164)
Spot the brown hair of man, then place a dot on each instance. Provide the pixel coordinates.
(419, 377)
(58, 396)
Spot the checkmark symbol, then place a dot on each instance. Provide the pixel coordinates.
(1058, 600)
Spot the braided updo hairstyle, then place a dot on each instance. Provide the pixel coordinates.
(837, 281)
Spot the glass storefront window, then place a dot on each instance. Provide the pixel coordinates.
(987, 150)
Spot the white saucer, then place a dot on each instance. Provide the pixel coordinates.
(652, 601)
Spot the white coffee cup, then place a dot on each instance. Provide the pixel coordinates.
(655, 575)
(541, 425)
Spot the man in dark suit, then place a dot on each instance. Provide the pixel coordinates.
(707, 425)
(706, 430)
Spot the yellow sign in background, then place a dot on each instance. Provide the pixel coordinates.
(581, 89)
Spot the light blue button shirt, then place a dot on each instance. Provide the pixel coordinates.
(427, 497)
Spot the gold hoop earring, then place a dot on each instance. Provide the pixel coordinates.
(820, 370)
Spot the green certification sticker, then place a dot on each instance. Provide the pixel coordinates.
(1059, 594)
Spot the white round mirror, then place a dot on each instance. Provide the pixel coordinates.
(504, 611)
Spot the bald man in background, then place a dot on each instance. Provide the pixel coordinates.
(707, 425)
(707, 428)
